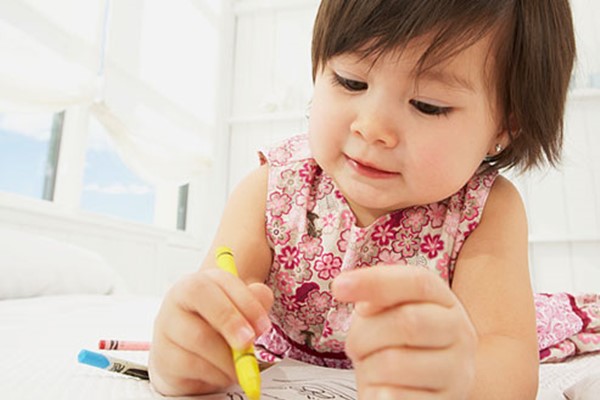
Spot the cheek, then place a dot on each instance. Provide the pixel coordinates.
(329, 110)
(317, 137)
(443, 165)
(316, 115)
(326, 127)
(316, 129)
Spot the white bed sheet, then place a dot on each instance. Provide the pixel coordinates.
(41, 337)
(556, 378)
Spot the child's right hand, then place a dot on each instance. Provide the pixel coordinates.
(201, 318)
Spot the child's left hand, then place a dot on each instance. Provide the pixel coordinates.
(410, 336)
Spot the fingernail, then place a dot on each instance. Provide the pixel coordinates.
(342, 284)
(243, 337)
(263, 324)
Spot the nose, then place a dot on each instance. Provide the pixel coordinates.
(378, 121)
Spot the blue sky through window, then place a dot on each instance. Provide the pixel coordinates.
(109, 186)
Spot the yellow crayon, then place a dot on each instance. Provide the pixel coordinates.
(246, 366)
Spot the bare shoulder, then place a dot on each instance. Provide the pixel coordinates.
(242, 227)
(254, 185)
(504, 196)
(502, 231)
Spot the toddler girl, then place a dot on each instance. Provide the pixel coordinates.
(384, 239)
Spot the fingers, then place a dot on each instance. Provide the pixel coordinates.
(226, 304)
(408, 373)
(419, 350)
(391, 392)
(411, 368)
(421, 325)
(191, 334)
(201, 318)
(263, 294)
(181, 361)
(420, 339)
(176, 371)
(387, 286)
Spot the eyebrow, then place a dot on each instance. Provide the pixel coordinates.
(449, 79)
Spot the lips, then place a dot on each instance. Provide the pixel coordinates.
(369, 170)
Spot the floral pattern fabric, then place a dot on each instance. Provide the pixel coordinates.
(314, 237)
(567, 325)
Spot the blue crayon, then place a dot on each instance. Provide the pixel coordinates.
(113, 364)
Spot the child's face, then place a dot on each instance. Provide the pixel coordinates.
(391, 142)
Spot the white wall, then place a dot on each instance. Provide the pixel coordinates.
(272, 82)
(564, 205)
(272, 86)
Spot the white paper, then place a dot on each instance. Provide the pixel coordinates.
(294, 380)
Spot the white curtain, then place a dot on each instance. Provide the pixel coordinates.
(147, 70)
(50, 53)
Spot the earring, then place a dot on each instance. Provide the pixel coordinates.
(497, 148)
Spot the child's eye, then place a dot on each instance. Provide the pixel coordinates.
(349, 84)
(430, 109)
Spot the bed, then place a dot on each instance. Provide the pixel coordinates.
(57, 299)
(42, 336)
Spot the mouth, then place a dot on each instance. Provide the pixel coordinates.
(369, 170)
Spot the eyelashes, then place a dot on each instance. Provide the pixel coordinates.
(430, 109)
(355, 86)
(349, 84)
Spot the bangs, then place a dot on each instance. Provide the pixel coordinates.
(375, 27)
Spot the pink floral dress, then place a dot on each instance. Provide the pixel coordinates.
(567, 325)
(314, 236)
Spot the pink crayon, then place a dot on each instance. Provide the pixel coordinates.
(123, 345)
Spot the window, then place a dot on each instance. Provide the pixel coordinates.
(29, 145)
(145, 70)
(109, 186)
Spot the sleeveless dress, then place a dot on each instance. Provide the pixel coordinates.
(313, 236)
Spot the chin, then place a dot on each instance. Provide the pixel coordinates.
(373, 203)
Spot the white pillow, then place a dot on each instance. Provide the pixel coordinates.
(33, 265)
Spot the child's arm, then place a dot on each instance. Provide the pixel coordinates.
(242, 228)
(476, 341)
(207, 312)
(492, 282)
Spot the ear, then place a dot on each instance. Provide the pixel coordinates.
(503, 138)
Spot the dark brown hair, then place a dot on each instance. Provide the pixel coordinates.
(533, 46)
